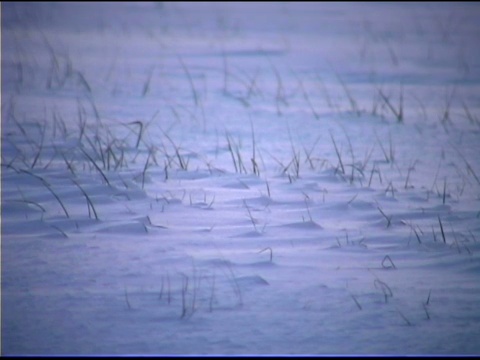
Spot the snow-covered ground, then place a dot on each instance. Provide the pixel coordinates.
(240, 178)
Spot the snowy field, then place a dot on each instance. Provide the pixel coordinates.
(256, 178)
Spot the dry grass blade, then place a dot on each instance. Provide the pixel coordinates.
(387, 292)
(146, 85)
(356, 301)
(145, 170)
(250, 216)
(95, 165)
(353, 103)
(140, 132)
(441, 229)
(129, 307)
(269, 249)
(89, 202)
(256, 170)
(398, 113)
(184, 294)
(190, 81)
(404, 318)
(49, 188)
(388, 218)
(338, 154)
(387, 260)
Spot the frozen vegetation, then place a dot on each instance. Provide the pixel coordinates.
(240, 178)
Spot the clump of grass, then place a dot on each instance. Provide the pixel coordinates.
(353, 165)
(390, 155)
(234, 150)
(181, 159)
(398, 112)
(388, 218)
(95, 165)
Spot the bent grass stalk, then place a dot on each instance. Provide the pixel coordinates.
(269, 249)
(95, 165)
(89, 201)
(387, 292)
(140, 132)
(49, 188)
(59, 230)
(30, 203)
(387, 260)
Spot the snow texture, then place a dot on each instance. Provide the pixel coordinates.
(240, 178)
